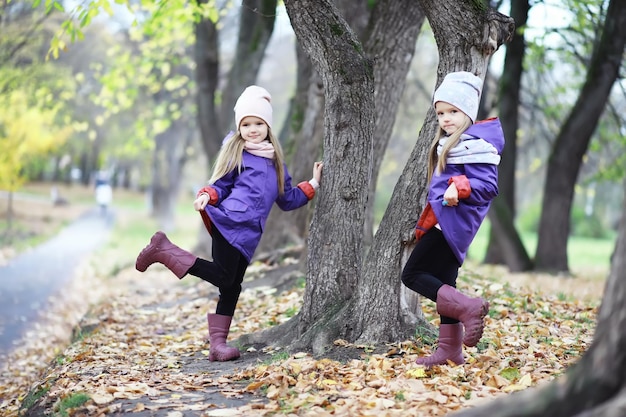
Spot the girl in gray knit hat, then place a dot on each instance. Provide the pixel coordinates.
(463, 179)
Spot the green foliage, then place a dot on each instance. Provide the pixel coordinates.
(584, 225)
(26, 133)
(72, 401)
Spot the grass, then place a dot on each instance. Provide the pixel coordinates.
(583, 253)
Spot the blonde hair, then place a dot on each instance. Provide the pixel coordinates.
(231, 157)
(437, 163)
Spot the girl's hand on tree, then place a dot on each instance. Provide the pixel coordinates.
(200, 203)
(317, 171)
(451, 196)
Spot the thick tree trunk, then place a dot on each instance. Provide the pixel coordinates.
(390, 41)
(505, 245)
(304, 145)
(573, 140)
(335, 242)
(595, 386)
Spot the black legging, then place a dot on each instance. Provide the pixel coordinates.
(226, 272)
(431, 265)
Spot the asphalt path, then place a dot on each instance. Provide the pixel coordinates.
(29, 279)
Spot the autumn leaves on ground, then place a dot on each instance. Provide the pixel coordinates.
(138, 346)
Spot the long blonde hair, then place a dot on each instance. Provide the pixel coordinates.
(437, 163)
(231, 157)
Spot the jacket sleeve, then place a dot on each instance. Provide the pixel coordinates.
(211, 192)
(294, 197)
(221, 188)
(481, 184)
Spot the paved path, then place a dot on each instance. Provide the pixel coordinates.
(28, 280)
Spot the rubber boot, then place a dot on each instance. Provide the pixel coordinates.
(161, 250)
(449, 347)
(219, 326)
(469, 311)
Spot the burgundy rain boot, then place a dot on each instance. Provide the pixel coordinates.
(449, 347)
(469, 311)
(219, 326)
(161, 250)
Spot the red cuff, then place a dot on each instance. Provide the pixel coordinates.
(211, 192)
(307, 189)
(427, 220)
(462, 185)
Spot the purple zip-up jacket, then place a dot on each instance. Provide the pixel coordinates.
(460, 224)
(241, 201)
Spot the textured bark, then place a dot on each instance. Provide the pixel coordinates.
(593, 387)
(505, 245)
(335, 243)
(573, 140)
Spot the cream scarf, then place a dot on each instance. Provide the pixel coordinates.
(264, 149)
(470, 150)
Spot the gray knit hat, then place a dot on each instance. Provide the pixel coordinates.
(461, 89)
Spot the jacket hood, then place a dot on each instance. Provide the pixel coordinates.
(489, 130)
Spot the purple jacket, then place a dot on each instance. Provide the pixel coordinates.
(460, 224)
(244, 201)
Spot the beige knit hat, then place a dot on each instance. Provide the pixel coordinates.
(254, 101)
(461, 89)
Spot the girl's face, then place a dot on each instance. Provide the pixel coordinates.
(449, 117)
(253, 129)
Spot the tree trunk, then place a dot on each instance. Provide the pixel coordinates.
(304, 145)
(342, 297)
(573, 140)
(505, 245)
(595, 386)
(390, 41)
(335, 242)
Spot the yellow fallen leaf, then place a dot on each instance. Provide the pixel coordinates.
(526, 381)
(416, 373)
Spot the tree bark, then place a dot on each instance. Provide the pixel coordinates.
(335, 244)
(505, 245)
(573, 140)
(593, 387)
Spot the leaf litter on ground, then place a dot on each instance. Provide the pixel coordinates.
(134, 334)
